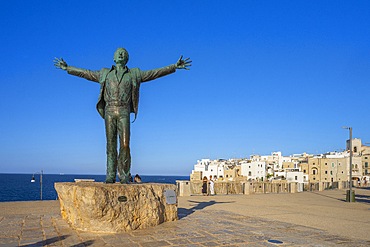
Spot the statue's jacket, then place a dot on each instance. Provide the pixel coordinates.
(137, 76)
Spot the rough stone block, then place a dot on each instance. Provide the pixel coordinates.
(100, 207)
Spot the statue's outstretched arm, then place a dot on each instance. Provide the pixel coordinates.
(183, 64)
(60, 63)
(84, 73)
(149, 75)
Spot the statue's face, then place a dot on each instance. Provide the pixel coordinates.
(121, 56)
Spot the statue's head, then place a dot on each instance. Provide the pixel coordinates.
(121, 56)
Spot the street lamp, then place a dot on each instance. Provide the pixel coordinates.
(33, 180)
(350, 194)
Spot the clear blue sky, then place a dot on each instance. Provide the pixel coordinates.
(266, 76)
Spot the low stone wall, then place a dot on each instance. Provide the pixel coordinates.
(268, 187)
(235, 187)
(187, 188)
(100, 207)
(221, 187)
(320, 186)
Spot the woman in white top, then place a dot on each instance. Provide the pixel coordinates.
(211, 186)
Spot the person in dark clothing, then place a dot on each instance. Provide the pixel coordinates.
(137, 178)
(204, 186)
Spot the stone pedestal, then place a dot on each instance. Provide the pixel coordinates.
(183, 188)
(100, 207)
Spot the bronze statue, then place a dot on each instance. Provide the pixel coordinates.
(119, 96)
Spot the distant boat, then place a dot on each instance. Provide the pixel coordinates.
(77, 180)
(33, 179)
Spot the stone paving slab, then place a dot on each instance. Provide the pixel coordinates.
(40, 224)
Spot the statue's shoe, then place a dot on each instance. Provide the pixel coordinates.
(110, 181)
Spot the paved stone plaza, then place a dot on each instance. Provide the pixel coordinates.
(303, 219)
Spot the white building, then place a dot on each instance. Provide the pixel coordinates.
(292, 175)
(295, 176)
(275, 160)
(210, 167)
(254, 170)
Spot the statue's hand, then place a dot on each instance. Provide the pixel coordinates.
(60, 63)
(183, 64)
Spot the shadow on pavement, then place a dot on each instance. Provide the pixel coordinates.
(358, 197)
(46, 242)
(362, 194)
(183, 212)
(339, 199)
(86, 243)
(362, 198)
(364, 188)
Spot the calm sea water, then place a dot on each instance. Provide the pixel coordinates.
(18, 187)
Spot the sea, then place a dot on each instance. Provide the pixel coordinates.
(18, 187)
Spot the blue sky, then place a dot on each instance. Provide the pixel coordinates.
(266, 76)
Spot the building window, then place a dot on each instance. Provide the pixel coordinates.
(296, 177)
(314, 172)
(304, 171)
(355, 149)
(249, 173)
(366, 164)
(339, 164)
(326, 172)
(326, 164)
(331, 172)
(332, 164)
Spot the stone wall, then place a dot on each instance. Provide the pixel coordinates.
(221, 187)
(268, 187)
(320, 186)
(245, 187)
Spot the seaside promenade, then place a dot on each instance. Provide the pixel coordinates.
(301, 219)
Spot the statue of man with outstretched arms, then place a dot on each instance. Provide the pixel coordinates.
(119, 96)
